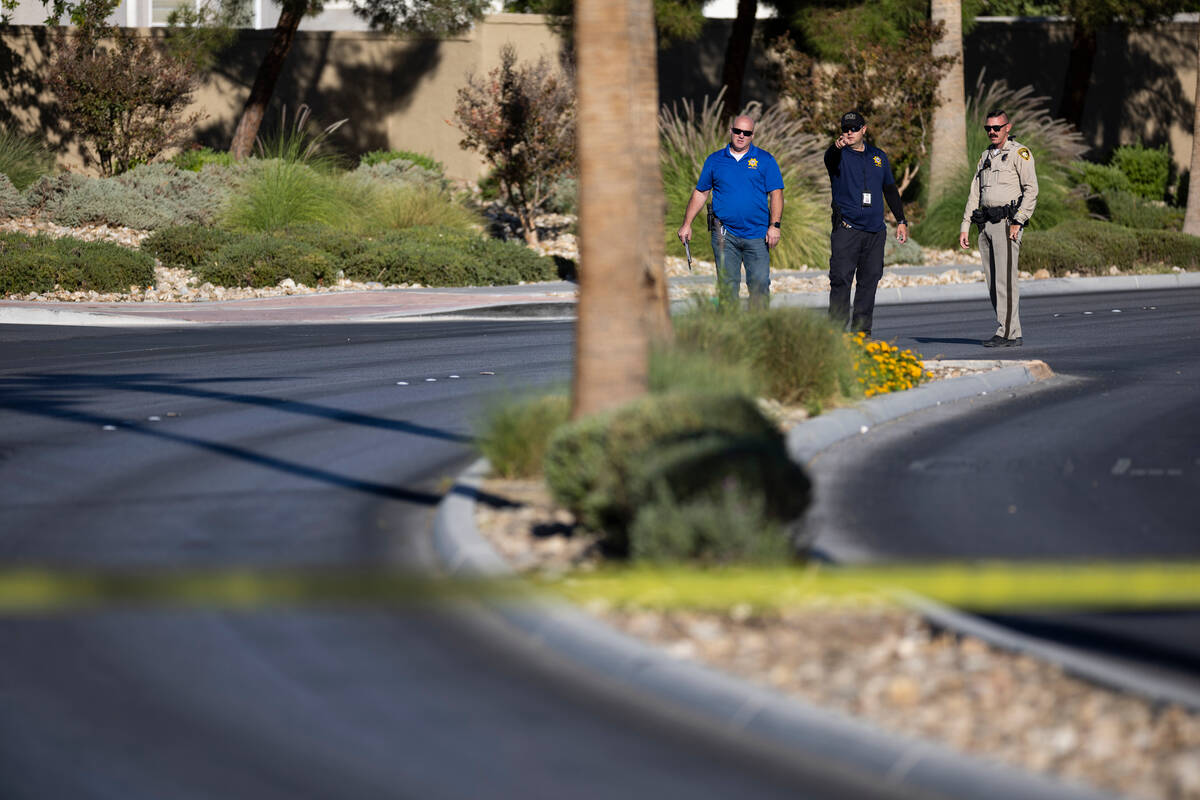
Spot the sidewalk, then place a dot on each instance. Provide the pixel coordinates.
(555, 299)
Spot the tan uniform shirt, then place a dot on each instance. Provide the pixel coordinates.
(1001, 176)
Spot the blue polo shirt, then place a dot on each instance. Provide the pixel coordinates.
(739, 189)
(850, 174)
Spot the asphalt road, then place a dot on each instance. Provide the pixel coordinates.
(298, 446)
(1101, 462)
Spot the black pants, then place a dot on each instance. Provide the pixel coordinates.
(854, 252)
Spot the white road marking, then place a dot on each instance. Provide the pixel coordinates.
(1122, 466)
(402, 383)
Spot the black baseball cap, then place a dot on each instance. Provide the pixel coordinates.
(852, 120)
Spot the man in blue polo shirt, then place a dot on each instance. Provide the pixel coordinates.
(860, 177)
(747, 207)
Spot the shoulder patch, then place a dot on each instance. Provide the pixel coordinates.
(1024, 153)
(878, 161)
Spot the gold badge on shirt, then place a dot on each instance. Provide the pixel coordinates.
(753, 163)
(878, 161)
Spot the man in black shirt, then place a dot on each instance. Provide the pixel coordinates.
(860, 177)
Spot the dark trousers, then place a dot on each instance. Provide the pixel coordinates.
(854, 254)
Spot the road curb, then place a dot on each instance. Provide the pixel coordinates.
(730, 704)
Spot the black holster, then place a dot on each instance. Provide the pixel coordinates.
(712, 218)
(985, 214)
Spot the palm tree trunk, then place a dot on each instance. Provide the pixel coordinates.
(737, 51)
(949, 146)
(620, 199)
(1191, 220)
(264, 82)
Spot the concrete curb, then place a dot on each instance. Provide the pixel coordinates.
(730, 704)
(54, 316)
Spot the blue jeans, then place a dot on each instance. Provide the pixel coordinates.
(752, 254)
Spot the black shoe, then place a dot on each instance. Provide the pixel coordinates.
(996, 341)
(1013, 342)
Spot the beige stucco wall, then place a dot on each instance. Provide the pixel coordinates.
(395, 92)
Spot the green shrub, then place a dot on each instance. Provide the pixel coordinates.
(297, 143)
(38, 263)
(196, 158)
(731, 527)
(387, 156)
(795, 354)
(1100, 178)
(606, 467)
(1132, 211)
(24, 159)
(1147, 168)
(12, 202)
(446, 257)
(1174, 248)
(515, 433)
(186, 246)
(340, 244)
(679, 369)
(390, 208)
(400, 171)
(148, 197)
(263, 260)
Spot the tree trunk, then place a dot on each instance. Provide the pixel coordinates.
(620, 197)
(1191, 220)
(736, 53)
(949, 146)
(1079, 73)
(264, 82)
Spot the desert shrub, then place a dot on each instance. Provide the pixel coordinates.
(1174, 248)
(1147, 168)
(680, 369)
(1088, 247)
(194, 159)
(389, 156)
(264, 260)
(521, 119)
(339, 243)
(186, 246)
(446, 257)
(282, 194)
(400, 171)
(24, 159)
(127, 99)
(1133, 211)
(514, 433)
(795, 354)
(896, 253)
(606, 467)
(689, 135)
(38, 263)
(148, 197)
(727, 525)
(564, 196)
(12, 202)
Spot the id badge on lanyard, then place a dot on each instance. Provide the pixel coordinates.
(866, 199)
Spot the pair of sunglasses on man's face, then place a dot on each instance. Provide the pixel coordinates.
(993, 128)
(852, 130)
(740, 132)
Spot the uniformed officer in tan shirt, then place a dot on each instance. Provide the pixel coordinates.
(1002, 198)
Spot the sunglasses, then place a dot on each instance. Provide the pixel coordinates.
(740, 132)
(855, 129)
(993, 128)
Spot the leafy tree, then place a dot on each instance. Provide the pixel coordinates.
(123, 95)
(521, 118)
(673, 19)
(894, 86)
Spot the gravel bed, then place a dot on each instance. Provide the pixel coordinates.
(886, 665)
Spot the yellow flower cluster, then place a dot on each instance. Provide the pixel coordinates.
(882, 367)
